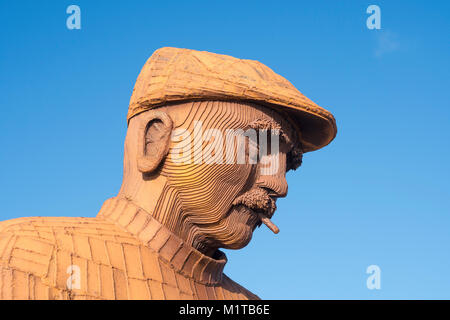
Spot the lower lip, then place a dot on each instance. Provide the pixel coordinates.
(253, 215)
(260, 219)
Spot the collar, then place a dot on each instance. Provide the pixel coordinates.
(180, 256)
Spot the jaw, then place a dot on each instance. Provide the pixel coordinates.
(234, 231)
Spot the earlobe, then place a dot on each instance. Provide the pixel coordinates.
(154, 139)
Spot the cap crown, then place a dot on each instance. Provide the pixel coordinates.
(173, 74)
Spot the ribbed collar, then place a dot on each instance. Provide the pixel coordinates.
(171, 249)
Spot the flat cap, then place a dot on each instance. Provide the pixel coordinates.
(173, 74)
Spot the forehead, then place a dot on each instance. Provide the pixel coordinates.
(224, 115)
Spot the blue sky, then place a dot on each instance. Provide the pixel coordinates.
(378, 194)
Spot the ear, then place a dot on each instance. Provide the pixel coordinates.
(154, 138)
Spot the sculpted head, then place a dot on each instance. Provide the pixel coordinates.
(182, 165)
(210, 139)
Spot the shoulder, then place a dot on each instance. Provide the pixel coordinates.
(35, 239)
(22, 246)
(48, 248)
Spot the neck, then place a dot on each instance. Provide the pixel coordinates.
(161, 202)
(171, 248)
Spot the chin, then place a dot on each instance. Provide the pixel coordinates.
(241, 239)
(238, 228)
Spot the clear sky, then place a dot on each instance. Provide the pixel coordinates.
(377, 195)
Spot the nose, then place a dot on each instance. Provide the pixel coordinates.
(275, 182)
(276, 185)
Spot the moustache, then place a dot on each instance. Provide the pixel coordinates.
(259, 201)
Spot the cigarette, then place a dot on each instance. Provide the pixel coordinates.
(268, 223)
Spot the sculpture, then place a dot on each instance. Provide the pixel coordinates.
(183, 195)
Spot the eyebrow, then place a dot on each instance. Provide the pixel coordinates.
(265, 124)
(295, 155)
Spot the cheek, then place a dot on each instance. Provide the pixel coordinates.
(234, 174)
(212, 188)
